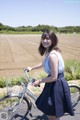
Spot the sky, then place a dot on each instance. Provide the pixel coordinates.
(58, 13)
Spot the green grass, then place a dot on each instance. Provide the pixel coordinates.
(7, 102)
(72, 72)
(73, 90)
(14, 32)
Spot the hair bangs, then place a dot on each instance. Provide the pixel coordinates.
(45, 35)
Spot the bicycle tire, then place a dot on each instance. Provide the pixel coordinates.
(75, 94)
(10, 104)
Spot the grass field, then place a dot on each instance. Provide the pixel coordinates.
(19, 51)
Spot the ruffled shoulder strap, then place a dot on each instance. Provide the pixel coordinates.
(54, 52)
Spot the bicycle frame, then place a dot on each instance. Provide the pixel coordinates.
(26, 91)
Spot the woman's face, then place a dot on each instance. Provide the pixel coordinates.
(46, 42)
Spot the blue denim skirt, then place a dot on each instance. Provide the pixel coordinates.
(55, 99)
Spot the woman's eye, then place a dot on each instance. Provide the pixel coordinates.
(47, 38)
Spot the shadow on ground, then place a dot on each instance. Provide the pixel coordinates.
(38, 117)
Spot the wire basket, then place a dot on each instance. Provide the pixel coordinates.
(10, 88)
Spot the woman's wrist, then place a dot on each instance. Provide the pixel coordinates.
(40, 81)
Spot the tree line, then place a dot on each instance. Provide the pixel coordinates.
(40, 28)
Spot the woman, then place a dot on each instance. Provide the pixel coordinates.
(55, 99)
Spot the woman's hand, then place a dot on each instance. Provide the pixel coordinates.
(29, 68)
(37, 83)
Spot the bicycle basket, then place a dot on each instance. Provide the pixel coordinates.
(12, 87)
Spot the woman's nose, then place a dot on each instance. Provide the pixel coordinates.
(45, 40)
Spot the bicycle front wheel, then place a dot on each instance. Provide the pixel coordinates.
(17, 108)
(75, 94)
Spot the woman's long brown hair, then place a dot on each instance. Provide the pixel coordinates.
(54, 40)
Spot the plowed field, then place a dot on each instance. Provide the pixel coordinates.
(19, 51)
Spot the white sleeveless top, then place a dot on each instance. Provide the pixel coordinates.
(46, 63)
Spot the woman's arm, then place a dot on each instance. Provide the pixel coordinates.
(35, 67)
(54, 71)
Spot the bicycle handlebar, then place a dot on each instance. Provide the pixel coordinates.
(26, 70)
(31, 79)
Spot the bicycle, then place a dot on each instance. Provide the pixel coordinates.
(13, 103)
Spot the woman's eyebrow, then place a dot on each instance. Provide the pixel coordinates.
(47, 36)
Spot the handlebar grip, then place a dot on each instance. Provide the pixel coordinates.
(33, 80)
(27, 70)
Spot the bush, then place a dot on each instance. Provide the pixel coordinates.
(12, 81)
(2, 82)
(68, 76)
(42, 75)
(72, 70)
(15, 81)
